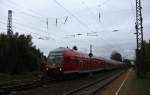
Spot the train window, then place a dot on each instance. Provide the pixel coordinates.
(55, 58)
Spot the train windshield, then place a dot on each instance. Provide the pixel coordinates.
(55, 58)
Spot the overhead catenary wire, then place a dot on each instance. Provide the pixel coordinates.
(28, 29)
(27, 13)
(2, 29)
(21, 25)
(132, 7)
(68, 12)
(30, 10)
(44, 21)
(15, 9)
(107, 0)
(28, 26)
(99, 15)
(89, 9)
(103, 3)
(91, 12)
(82, 23)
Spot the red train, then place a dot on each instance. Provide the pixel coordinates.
(68, 61)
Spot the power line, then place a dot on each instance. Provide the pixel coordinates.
(3, 23)
(69, 11)
(28, 26)
(18, 9)
(103, 3)
(132, 7)
(90, 11)
(117, 12)
(83, 24)
(25, 29)
(22, 12)
(32, 11)
(42, 37)
(24, 26)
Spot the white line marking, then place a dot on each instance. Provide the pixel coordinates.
(117, 92)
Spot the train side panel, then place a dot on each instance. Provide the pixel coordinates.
(91, 65)
(71, 62)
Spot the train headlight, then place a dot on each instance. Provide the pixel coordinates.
(47, 69)
(60, 69)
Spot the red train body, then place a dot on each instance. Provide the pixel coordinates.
(67, 61)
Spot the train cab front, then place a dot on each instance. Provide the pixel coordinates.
(55, 64)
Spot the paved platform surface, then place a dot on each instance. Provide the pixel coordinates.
(124, 85)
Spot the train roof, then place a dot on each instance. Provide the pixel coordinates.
(109, 60)
(61, 49)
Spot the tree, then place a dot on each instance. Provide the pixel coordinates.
(127, 62)
(147, 54)
(18, 55)
(116, 56)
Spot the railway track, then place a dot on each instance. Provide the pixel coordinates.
(91, 88)
(76, 86)
(6, 89)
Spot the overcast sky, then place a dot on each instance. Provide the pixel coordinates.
(108, 25)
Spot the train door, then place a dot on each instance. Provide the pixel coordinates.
(81, 62)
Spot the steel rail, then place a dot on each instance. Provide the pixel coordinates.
(91, 88)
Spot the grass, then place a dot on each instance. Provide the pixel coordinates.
(10, 79)
(143, 85)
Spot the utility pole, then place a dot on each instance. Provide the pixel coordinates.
(140, 65)
(90, 48)
(9, 24)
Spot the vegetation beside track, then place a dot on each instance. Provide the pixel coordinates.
(12, 79)
(143, 85)
(18, 55)
(20, 60)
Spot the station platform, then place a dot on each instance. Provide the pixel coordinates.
(123, 85)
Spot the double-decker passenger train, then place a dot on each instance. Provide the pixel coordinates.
(67, 61)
